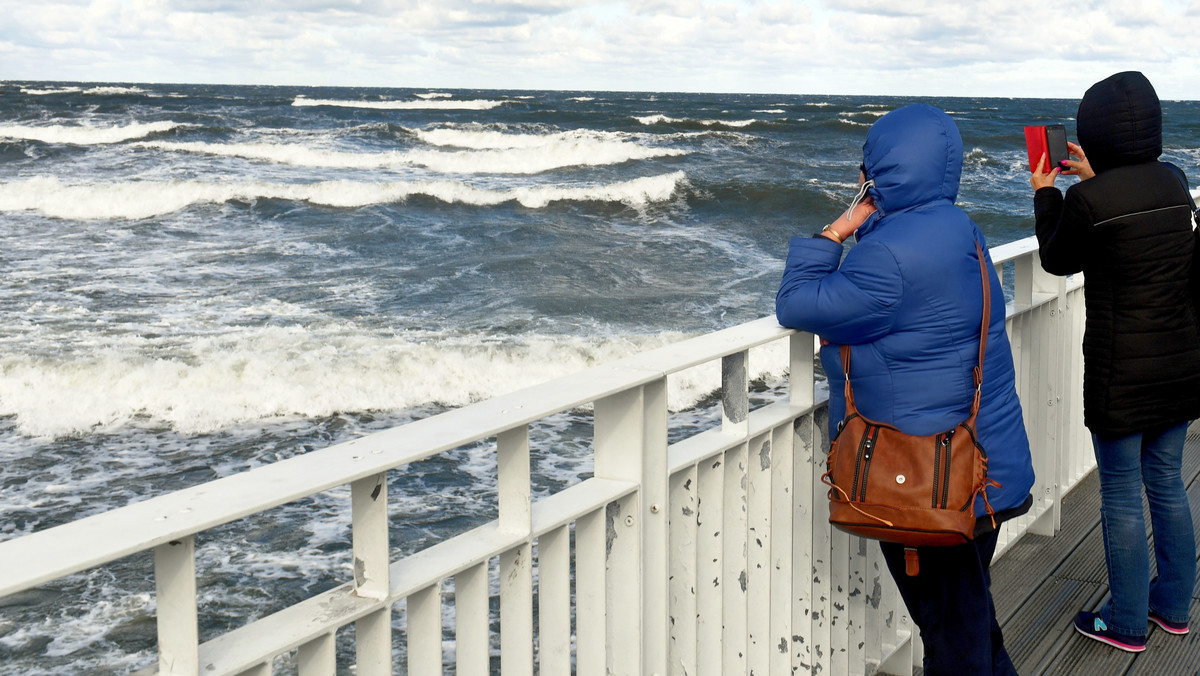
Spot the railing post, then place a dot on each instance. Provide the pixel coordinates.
(800, 370)
(424, 615)
(175, 594)
(683, 538)
(735, 394)
(318, 657)
(1051, 366)
(369, 514)
(516, 565)
(631, 445)
(554, 599)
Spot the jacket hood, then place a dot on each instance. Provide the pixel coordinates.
(1120, 122)
(914, 155)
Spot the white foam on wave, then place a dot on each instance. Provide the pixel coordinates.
(434, 95)
(442, 104)
(114, 91)
(522, 155)
(84, 135)
(144, 199)
(46, 92)
(254, 374)
(649, 120)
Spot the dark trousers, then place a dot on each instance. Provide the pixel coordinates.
(951, 602)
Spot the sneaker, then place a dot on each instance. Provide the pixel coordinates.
(1167, 625)
(1090, 625)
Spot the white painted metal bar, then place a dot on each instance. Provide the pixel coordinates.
(856, 616)
(424, 614)
(780, 637)
(516, 611)
(472, 654)
(735, 395)
(710, 553)
(516, 564)
(591, 629)
(683, 578)
(619, 433)
(373, 643)
(839, 603)
(175, 592)
(554, 603)
(654, 505)
(804, 526)
(758, 555)
(733, 569)
(512, 468)
(318, 657)
(822, 551)
(373, 632)
(370, 534)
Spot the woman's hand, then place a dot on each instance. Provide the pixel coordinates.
(1039, 180)
(849, 221)
(1080, 167)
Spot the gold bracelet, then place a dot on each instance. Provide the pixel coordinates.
(829, 229)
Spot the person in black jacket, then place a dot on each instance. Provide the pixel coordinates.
(1127, 226)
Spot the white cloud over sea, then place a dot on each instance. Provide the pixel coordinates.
(913, 47)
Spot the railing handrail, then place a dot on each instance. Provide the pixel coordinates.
(69, 548)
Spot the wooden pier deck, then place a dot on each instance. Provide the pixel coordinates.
(1042, 582)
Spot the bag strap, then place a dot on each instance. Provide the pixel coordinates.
(977, 372)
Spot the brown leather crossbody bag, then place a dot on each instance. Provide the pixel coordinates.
(911, 490)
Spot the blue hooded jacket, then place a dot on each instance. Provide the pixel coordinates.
(908, 299)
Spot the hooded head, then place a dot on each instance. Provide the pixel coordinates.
(914, 156)
(1120, 122)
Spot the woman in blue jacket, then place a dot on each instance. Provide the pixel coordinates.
(907, 299)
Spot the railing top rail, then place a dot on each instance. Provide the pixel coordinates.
(56, 552)
(1013, 250)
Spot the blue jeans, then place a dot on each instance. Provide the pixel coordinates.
(1126, 464)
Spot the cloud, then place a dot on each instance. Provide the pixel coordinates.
(847, 46)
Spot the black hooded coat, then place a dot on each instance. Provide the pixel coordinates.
(1128, 229)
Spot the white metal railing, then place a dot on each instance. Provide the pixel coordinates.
(710, 555)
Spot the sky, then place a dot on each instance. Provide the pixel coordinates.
(1010, 48)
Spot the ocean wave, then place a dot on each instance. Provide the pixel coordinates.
(30, 91)
(433, 95)
(144, 199)
(650, 120)
(277, 372)
(113, 91)
(431, 104)
(518, 154)
(85, 135)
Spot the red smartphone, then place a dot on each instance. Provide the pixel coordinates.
(1050, 139)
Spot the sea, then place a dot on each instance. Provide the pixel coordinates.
(197, 280)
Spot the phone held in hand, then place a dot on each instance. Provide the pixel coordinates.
(1050, 139)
